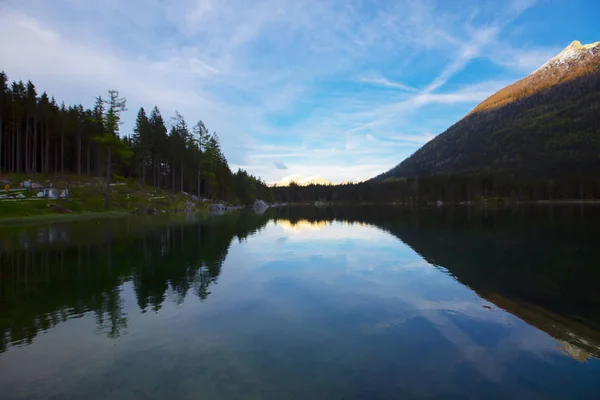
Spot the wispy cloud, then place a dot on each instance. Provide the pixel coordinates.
(479, 38)
(378, 80)
(336, 88)
(422, 138)
(524, 60)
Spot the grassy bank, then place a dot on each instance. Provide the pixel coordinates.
(86, 199)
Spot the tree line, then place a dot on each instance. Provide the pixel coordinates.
(451, 188)
(39, 135)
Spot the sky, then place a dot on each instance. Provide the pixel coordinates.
(342, 89)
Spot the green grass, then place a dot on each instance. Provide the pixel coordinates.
(23, 208)
(88, 197)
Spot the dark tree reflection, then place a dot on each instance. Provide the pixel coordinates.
(44, 280)
(539, 263)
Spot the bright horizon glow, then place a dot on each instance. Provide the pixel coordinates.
(336, 88)
(302, 225)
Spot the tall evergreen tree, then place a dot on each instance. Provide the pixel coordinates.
(39, 135)
(202, 138)
(111, 140)
(3, 105)
(30, 113)
(157, 144)
(141, 142)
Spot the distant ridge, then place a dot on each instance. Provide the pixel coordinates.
(310, 180)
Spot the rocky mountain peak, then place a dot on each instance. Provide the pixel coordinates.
(573, 53)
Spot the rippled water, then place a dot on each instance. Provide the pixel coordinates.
(305, 303)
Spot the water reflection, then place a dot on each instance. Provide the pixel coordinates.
(46, 280)
(538, 263)
(302, 225)
(351, 302)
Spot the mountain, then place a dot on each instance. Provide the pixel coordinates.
(302, 181)
(311, 180)
(547, 125)
(357, 180)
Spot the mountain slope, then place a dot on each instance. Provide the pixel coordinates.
(546, 125)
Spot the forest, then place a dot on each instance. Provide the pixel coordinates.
(447, 188)
(40, 136)
(533, 128)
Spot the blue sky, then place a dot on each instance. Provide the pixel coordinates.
(336, 88)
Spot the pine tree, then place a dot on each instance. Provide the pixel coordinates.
(3, 104)
(157, 144)
(18, 96)
(39, 135)
(141, 142)
(201, 137)
(111, 140)
(30, 114)
(98, 122)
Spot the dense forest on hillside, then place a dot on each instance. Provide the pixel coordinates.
(451, 188)
(544, 126)
(537, 139)
(39, 135)
(553, 133)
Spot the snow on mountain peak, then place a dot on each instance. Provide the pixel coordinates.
(302, 181)
(571, 53)
(311, 180)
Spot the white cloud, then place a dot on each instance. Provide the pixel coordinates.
(276, 79)
(479, 38)
(378, 80)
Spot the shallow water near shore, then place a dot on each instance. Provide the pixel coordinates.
(305, 303)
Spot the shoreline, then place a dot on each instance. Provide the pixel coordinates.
(443, 204)
(91, 215)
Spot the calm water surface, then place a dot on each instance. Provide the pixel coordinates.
(315, 303)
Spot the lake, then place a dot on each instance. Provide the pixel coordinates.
(305, 303)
